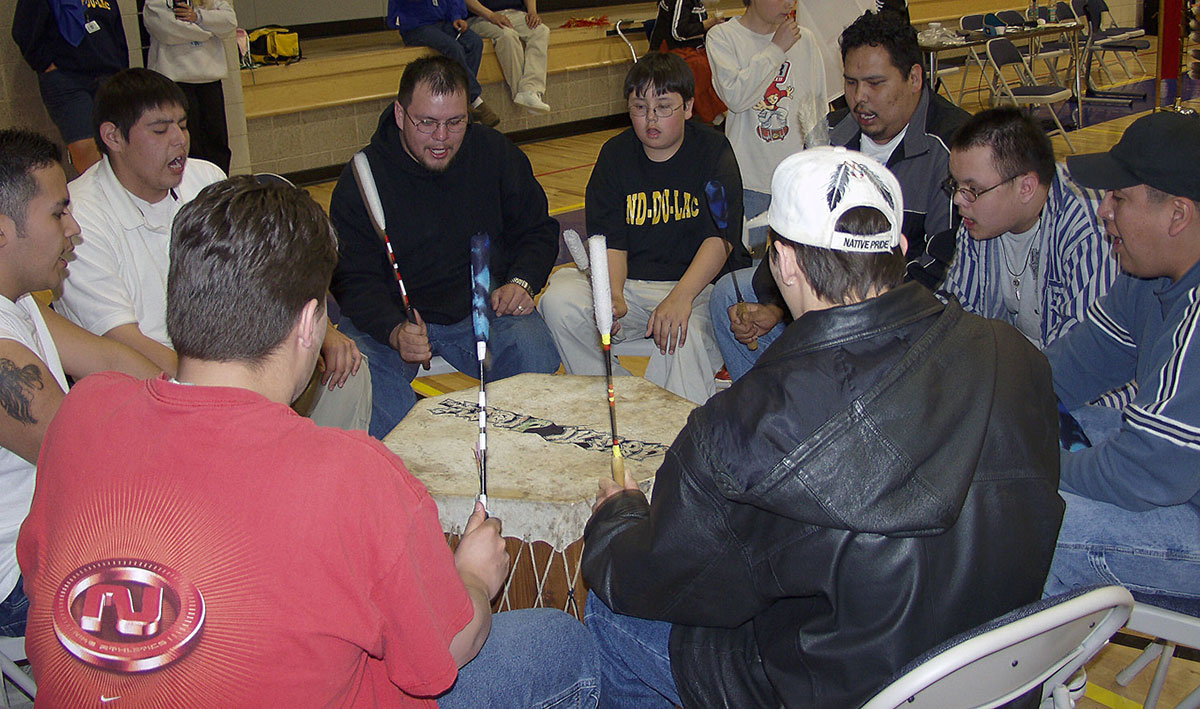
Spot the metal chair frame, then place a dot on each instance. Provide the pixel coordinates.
(1001, 53)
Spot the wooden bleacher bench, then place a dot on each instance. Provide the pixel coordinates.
(344, 70)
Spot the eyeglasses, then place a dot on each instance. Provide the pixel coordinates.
(639, 110)
(429, 126)
(969, 194)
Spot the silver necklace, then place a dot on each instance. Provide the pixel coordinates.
(1031, 257)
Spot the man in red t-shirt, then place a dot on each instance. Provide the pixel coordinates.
(195, 541)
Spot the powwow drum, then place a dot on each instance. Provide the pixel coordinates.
(549, 444)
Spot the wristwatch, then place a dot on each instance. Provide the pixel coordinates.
(523, 283)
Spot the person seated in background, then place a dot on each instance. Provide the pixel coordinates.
(647, 196)
(806, 539)
(680, 28)
(126, 204)
(72, 47)
(1133, 495)
(521, 41)
(1030, 250)
(892, 115)
(441, 181)
(442, 25)
(306, 564)
(38, 347)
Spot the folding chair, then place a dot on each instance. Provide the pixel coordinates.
(1041, 644)
(12, 651)
(1171, 621)
(1011, 18)
(1049, 54)
(1051, 50)
(1001, 53)
(974, 23)
(1116, 40)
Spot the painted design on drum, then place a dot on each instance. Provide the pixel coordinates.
(551, 432)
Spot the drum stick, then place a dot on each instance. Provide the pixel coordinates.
(575, 246)
(481, 282)
(719, 208)
(602, 305)
(370, 195)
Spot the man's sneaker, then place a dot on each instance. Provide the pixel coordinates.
(532, 101)
(723, 380)
(486, 116)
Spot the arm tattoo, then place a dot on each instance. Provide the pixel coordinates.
(17, 385)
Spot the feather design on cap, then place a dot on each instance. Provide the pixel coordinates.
(881, 186)
(837, 184)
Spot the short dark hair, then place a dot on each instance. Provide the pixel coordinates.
(245, 258)
(126, 95)
(842, 277)
(444, 76)
(1018, 144)
(667, 72)
(889, 31)
(21, 153)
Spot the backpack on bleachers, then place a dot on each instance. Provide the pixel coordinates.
(272, 44)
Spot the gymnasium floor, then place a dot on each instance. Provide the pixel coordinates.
(563, 167)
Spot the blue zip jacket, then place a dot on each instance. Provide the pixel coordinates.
(1144, 329)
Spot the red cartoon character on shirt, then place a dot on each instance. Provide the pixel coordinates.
(772, 116)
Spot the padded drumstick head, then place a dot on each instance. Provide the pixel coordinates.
(575, 246)
(370, 193)
(601, 289)
(481, 281)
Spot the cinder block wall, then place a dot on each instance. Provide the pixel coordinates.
(21, 104)
(330, 136)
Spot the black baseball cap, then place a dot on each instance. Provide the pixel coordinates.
(1161, 150)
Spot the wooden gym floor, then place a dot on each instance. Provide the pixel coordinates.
(563, 166)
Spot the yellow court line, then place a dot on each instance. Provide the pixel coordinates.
(1109, 698)
(425, 389)
(568, 208)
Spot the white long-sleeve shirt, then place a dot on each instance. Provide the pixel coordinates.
(190, 52)
(774, 98)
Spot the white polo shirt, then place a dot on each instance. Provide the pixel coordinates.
(119, 274)
(23, 323)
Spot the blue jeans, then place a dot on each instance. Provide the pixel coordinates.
(517, 344)
(1157, 551)
(738, 357)
(466, 48)
(754, 204)
(635, 661)
(538, 658)
(13, 611)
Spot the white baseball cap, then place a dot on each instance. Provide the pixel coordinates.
(813, 188)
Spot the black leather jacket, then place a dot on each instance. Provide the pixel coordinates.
(884, 478)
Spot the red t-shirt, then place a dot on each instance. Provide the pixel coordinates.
(205, 546)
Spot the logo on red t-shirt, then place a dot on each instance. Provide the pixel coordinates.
(127, 615)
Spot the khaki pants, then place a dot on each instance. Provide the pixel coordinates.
(566, 307)
(348, 408)
(521, 51)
